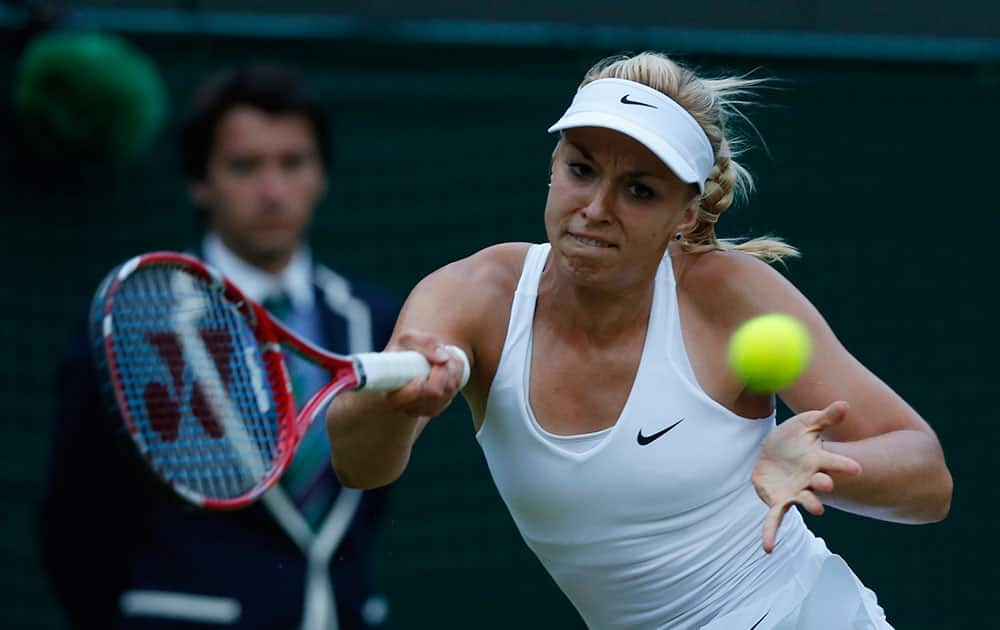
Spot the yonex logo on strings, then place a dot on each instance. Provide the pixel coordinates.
(164, 408)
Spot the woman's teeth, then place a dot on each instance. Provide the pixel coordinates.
(590, 241)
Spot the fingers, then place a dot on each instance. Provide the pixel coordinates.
(431, 395)
(444, 379)
(774, 517)
(418, 399)
(834, 413)
(835, 463)
(405, 397)
(821, 482)
(771, 524)
(426, 344)
(810, 502)
(435, 351)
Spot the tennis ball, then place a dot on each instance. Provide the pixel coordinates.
(768, 353)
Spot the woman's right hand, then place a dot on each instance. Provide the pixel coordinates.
(431, 396)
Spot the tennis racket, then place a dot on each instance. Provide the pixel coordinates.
(195, 370)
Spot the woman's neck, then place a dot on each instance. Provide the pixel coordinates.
(594, 313)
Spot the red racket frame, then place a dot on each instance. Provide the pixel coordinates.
(270, 335)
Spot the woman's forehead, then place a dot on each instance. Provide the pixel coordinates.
(597, 143)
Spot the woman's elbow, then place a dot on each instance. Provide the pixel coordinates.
(933, 502)
(943, 487)
(942, 503)
(936, 502)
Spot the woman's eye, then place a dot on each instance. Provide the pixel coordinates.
(641, 191)
(580, 169)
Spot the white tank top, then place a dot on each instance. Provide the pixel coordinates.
(640, 526)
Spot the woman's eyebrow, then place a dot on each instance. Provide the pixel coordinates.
(583, 151)
(640, 174)
(635, 173)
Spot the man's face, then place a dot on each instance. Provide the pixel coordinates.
(264, 177)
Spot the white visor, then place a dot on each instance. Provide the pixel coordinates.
(650, 117)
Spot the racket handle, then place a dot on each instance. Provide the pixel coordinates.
(386, 371)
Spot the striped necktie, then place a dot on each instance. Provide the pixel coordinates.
(306, 479)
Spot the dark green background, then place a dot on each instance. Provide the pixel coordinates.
(884, 174)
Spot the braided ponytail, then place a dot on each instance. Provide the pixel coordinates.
(712, 102)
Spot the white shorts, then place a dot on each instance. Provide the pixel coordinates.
(828, 597)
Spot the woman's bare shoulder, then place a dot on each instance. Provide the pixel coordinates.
(501, 263)
(470, 288)
(490, 271)
(728, 287)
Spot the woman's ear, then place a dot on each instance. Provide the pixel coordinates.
(690, 217)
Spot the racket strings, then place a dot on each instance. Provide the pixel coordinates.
(198, 391)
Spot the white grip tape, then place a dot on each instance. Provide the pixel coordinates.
(386, 371)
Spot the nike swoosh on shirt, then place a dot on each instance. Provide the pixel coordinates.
(643, 440)
(759, 620)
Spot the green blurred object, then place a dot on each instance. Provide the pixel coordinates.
(87, 95)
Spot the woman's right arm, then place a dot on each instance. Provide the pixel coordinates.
(372, 433)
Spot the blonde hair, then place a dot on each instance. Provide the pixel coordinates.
(713, 103)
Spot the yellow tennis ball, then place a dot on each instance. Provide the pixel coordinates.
(768, 353)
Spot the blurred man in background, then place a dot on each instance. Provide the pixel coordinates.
(123, 553)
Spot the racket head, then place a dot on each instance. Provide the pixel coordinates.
(195, 370)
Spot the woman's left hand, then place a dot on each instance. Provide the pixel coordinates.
(793, 466)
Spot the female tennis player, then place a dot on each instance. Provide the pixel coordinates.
(655, 489)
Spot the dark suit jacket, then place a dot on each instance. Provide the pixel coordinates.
(113, 530)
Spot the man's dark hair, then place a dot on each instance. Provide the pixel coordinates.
(273, 89)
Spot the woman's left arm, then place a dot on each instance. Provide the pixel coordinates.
(903, 475)
(853, 443)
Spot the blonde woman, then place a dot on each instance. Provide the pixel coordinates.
(653, 487)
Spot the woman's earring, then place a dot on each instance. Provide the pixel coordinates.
(678, 236)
